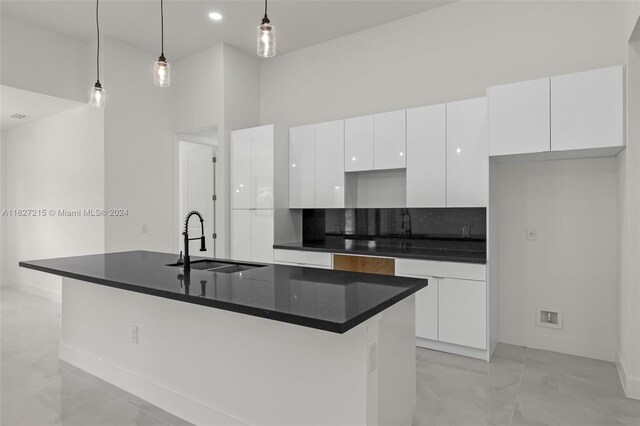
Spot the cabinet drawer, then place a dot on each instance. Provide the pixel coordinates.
(430, 268)
(300, 257)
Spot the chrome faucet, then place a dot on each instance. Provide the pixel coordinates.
(187, 258)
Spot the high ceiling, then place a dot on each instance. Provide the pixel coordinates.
(188, 28)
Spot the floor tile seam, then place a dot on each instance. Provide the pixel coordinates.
(142, 409)
(515, 402)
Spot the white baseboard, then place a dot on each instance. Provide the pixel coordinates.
(631, 385)
(560, 344)
(47, 293)
(453, 349)
(170, 401)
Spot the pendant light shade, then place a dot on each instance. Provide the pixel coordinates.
(161, 68)
(266, 36)
(96, 92)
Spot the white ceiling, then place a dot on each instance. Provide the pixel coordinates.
(34, 105)
(188, 28)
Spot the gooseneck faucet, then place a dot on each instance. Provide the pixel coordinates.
(187, 258)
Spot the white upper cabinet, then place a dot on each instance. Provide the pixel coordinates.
(426, 156)
(467, 156)
(519, 117)
(302, 167)
(241, 169)
(330, 179)
(262, 167)
(389, 140)
(587, 109)
(358, 144)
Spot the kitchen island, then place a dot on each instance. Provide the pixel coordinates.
(259, 344)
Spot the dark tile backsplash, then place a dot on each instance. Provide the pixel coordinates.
(396, 225)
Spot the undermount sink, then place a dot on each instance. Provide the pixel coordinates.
(222, 267)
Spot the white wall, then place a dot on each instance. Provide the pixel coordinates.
(450, 53)
(53, 163)
(41, 61)
(139, 144)
(572, 266)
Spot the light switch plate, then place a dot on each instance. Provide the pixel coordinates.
(532, 234)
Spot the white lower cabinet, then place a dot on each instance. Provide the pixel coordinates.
(427, 311)
(303, 258)
(462, 312)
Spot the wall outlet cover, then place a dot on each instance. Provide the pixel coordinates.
(548, 317)
(532, 234)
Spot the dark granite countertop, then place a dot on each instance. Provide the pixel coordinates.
(449, 251)
(333, 301)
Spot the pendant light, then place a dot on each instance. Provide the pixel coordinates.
(96, 93)
(161, 68)
(266, 36)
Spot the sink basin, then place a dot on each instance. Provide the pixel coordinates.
(215, 266)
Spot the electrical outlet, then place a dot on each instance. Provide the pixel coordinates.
(551, 318)
(134, 334)
(532, 234)
(373, 358)
(466, 231)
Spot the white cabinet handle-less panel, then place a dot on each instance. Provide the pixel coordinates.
(467, 154)
(262, 236)
(587, 109)
(427, 156)
(262, 167)
(358, 144)
(389, 140)
(241, 235)
(302, 167)
(462, 310)
(241, 169)
(329, 165)
(427, 311)
(519, 117)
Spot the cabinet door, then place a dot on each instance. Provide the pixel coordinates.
(329, 165)
(427, 156)
(302, 167)
(241, 169)
(427, 311)
(389, 140)
(587, 109)
(262, 236)
(519, 117)
(467, 156)
(262, 167)
(241, 235)
(358, 144)
(462, 312)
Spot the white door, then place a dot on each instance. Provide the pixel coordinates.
(241, 239)
(262, 236)
(329, 165)
(358, 144)
(587, 109)
(427, 156)
(389, 140)
(467, 156)
(462, 312)
(262, 167)
(427, 310)
(196, 193)
(241, 169)
(519, 117)
(302, 167)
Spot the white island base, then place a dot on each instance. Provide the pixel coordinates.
(214, 367)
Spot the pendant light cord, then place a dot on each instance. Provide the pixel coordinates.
(265, 8)
(98, 50)
(162, 27)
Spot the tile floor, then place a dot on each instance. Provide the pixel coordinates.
(518, 387)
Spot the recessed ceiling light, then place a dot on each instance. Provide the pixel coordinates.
(215, 16)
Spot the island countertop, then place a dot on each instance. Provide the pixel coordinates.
(328, 300)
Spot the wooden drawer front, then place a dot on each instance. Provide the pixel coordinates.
(300, 257)
(367, 264)
(429, 268)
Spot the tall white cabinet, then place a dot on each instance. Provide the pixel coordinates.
(252, 194)
(302, 167)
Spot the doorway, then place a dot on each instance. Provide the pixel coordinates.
(197, 156)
